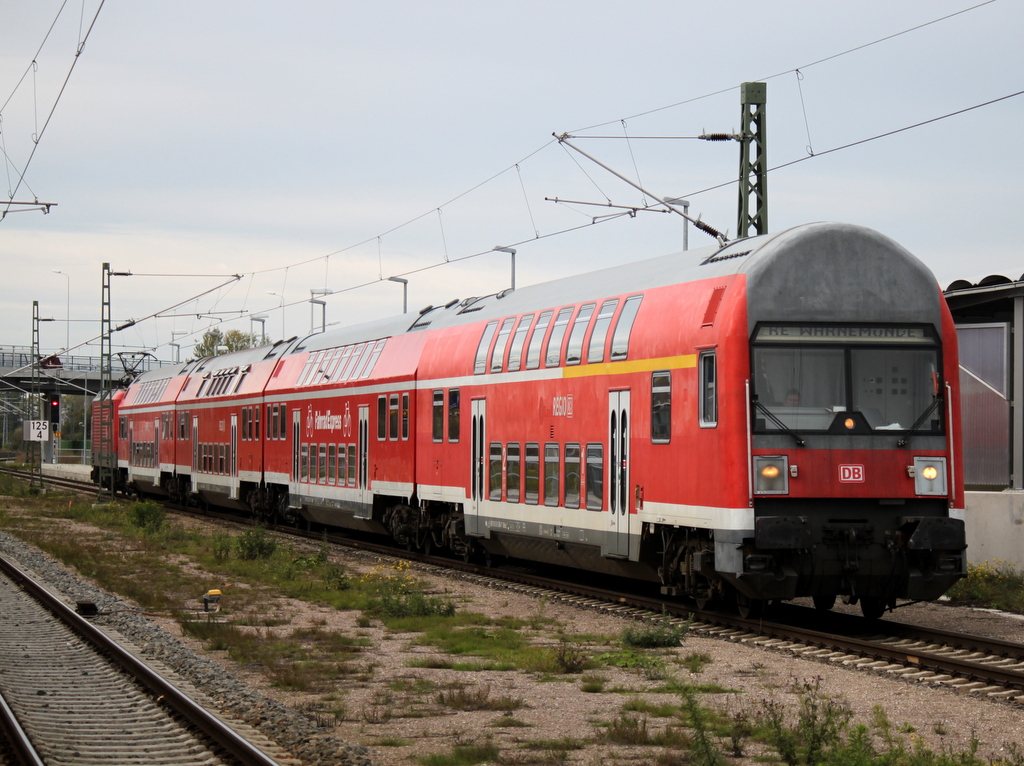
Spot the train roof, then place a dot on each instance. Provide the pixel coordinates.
(851, 273)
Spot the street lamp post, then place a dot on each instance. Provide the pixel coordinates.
(511, 251)
(280, 305)
(405, 292)
(685, 205)
(262, 319)
(175, 334)
(313, 303)
(67, 340)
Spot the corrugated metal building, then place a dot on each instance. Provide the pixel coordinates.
(991, 379)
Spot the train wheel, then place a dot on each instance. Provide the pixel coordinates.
(824, 603)
(750, 608)
(872, 607)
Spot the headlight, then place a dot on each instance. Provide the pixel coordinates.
(771, 475)
(930, 476)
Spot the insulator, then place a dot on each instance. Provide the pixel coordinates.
(717, 136)
(708, 229)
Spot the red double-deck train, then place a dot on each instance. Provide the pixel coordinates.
(775, 418)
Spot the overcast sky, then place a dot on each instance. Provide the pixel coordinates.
(325, 145)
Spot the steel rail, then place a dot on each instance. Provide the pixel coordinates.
(17, 739)
(191, 711)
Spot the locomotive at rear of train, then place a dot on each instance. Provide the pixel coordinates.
(771, 419)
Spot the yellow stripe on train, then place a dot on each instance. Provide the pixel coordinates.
(640, 365)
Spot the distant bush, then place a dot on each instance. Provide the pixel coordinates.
(254, 543)
(651, 636)
(147, 515)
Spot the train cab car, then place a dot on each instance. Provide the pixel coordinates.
(339, 409)
(772, 419)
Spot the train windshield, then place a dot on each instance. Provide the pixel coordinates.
(803, 378)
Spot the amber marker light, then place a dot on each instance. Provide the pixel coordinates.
(770, 471)
(848, 423)
(930, 472)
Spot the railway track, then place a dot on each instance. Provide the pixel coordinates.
(972, 664)
(72, 695)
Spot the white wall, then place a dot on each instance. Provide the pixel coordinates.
(995, 527)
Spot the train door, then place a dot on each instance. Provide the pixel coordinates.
(295, 489)
(156, 449)
(195, 452)
(618, 473)
(365, 498)
(478, 467)
(233, 457)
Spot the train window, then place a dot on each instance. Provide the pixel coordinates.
(304, 471)
(551, 471)
(494, 472)
(343, 357)
(245, 424)
(438, 419)
(283, 433)
(515, 353)
(393, 417)
(661, 407)
(182, 426)
(382, 418)
(498, 355)
(256, 423)
(272, 416)
(620, 338)
(377, 348)
(332, 364)
(553, 355)
(512, 473)
(572, 476)
(708, 396)
(405, 417)
(323, 464)
(574, 349)
(202, 385)
(364, 357)
(480, 366)
(537, 341)
(595, 477)
(351, 465)
(122, 427)
(350, 363)
(595, 352)
(341, 465)
(221, 459)
(331, 463)
(531, 487)
(453, 415)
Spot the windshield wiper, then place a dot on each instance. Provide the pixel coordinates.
(781, 426)
(919, 422)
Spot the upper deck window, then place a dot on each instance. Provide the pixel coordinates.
(880, 378)
(515, 354)
(554, 353)
(595, 353)
(620, 339)
(498, 356)
(537, 341)
(574, 349)
(480, 366)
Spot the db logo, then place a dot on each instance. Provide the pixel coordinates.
(853, 474)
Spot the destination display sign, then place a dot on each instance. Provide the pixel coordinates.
(843, 333)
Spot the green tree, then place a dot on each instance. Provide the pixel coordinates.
(215, 342)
